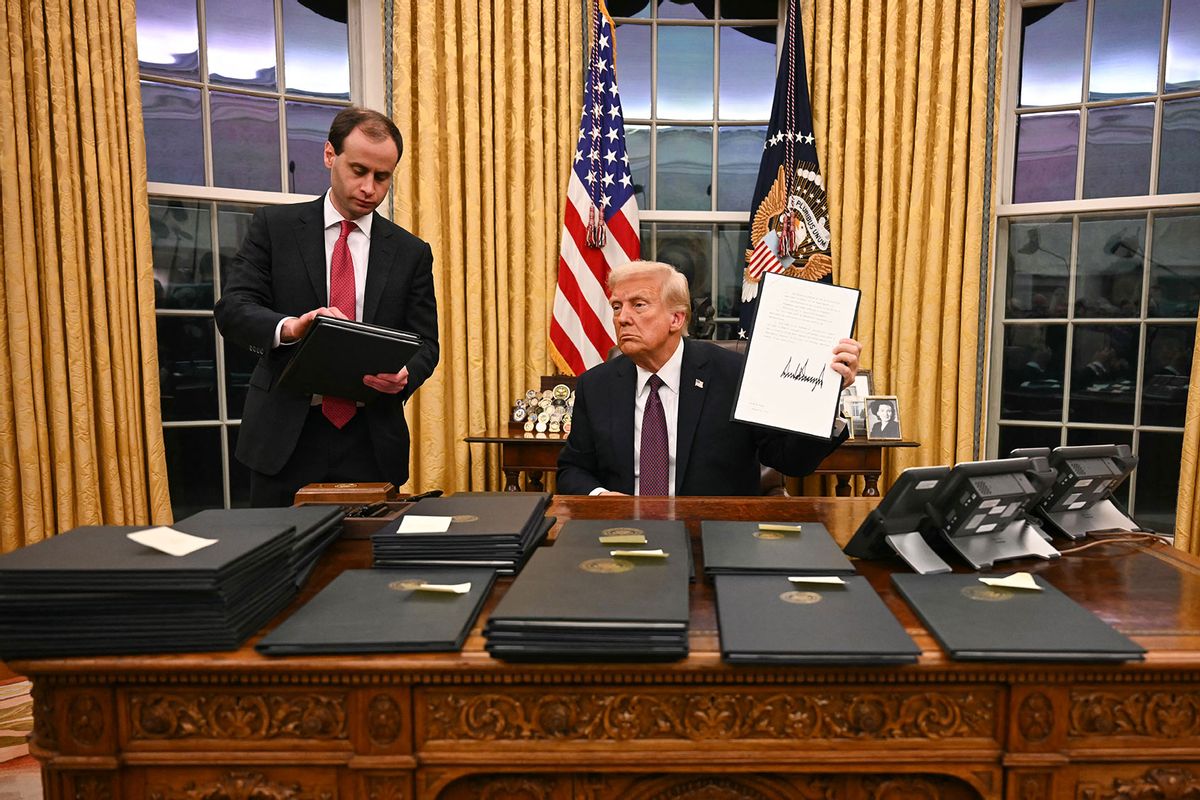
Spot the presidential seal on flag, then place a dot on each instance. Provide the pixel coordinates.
(789, 233)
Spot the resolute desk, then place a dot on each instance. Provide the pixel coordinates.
(241, 726)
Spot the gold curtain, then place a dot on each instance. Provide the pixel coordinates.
(900, 101)
(1187, 508)
(79, 413)
(488, 97)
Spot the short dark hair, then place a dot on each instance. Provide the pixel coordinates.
(375, 125)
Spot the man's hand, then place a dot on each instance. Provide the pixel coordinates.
(295, 327)
(845, 360)
(388, 382)
(615, 494)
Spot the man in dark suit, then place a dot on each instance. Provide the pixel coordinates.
(331, 257)
(656, 419)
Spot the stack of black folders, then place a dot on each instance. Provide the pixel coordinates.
(487, 529)
(786, 594)
(385, 611)
(977, 622)
(577, 601)
(93, 591)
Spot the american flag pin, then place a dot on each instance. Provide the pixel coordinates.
(699, 383)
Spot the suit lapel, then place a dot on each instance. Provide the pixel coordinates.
(310, 238)
(622, 398)
(692, 378)
(379, 265)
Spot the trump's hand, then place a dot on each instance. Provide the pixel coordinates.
(845, 360)
(388, 382)
(295, 327)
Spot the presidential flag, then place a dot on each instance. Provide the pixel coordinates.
(600, 225)
(789, 216)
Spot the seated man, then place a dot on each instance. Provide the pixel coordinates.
(676, 439)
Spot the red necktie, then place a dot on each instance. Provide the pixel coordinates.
(339, 410)
(654, 466)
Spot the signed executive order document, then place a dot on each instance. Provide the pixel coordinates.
(787, 380)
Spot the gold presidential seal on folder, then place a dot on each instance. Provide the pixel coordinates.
(801, 598)
(606, 566)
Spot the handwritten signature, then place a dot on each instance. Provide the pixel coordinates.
(800, 374)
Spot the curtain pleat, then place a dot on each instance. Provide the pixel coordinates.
(1187, 510)
(487, 96)
(79, 407)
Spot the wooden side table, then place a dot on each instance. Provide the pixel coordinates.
(534, 454)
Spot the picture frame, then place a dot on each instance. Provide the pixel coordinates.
(853, 403)
(883, 417)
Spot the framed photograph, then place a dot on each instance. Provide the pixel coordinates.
(854, 403)
(883, 417)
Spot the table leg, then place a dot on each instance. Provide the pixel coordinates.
(843, 485)
(870, 484)
(534, 481)
(512, 480)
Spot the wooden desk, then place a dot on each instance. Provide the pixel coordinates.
(456, 726)
(537, 453)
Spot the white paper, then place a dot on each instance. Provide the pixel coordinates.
(638, 553)
(414, 523)
(827, 580)
(1018, 580)
(788, 382)
(444, 588)
(779, 527)
(170, 541)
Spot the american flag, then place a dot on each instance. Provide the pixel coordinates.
(600, 225)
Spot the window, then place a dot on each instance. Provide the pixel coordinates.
(696, 88)
(237, 97)
(1098, 255)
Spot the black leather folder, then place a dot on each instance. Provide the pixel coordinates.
(977, 622)
(766, 619)
(335, 354)
(739, 548)
(378, 611)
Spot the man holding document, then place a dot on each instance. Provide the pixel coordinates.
(656, 420)
(332, 257)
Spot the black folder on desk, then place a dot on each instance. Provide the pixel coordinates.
(379, 611)
(767, 619)
(740, 548)
(977, 622)
(335, 354)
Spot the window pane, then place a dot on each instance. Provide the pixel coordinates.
(685, 73)
(1168, 362)
(239, 473)
(1103, 360)
(732, 243)
(1037, 269)
(633, 70)
(684, 178)
(682, 9)
(1179, 149)
(1159, 455)
(174, 134)
(1033, 368)
(245, 141)
(1014, 436)
(1109, 276)
(1183, 46)
(241, 42)
(637, 147)
(1052, 54)
(187, 374)
(1082, 437)
(1125, 40)
(232, 223)
(239, 363)
(1047, 152)
(181, 241)
(308, 129)
(316, 49)
(194, 469)
(739, 151)
(168, 40)
(747, 72)
(1117, 160)
(1175, 266)
(688, 248)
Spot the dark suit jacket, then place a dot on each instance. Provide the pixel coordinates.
(280, 271)
(714, 456)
